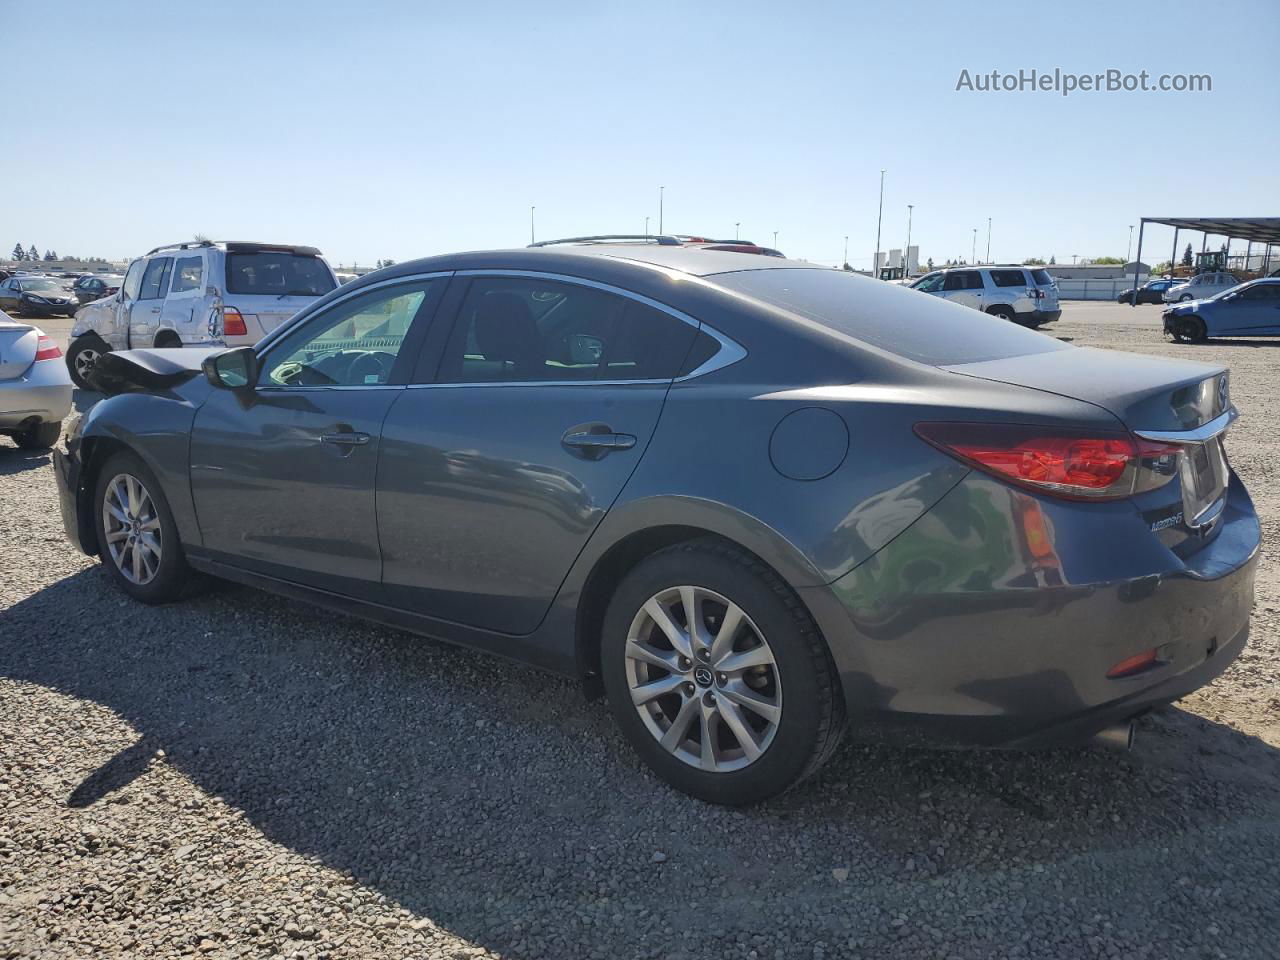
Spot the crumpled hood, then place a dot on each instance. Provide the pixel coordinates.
(133, 371)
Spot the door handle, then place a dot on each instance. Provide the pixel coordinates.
(596, 440)
(345, 439)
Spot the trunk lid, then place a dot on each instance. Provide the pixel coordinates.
(17, 348)
(271, 310)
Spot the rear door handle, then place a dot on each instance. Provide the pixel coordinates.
(596, 441)
(346, 439)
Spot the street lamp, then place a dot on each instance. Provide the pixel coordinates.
(1129, 251)
(875, 260)
(973, 255)
(735, 230)
(845, 262)
(531, 238)
(660, 192)
(906, 250)
(988, 239)
(775, 239)
(646, 226)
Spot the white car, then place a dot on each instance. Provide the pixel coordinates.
(1200, 287)
(1025, 295)
(35, 391)
(199, 294)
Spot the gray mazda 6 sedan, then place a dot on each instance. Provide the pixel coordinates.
(752, 501)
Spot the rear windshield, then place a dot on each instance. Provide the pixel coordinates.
(1042, 277)
(281, 274)
(885, 315)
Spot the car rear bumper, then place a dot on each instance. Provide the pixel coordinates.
(1037, 317)
(994, 620)
(42, 394)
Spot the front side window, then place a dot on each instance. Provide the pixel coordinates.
(355, 343)
(187, 274)
(156, 279)
(521, 329)
(930, 284)
(277, 273)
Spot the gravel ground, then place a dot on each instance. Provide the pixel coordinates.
(241, 776)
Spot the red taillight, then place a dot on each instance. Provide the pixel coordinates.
(233, 323)
(1131, 665)
(46, 349)
(1063, 462)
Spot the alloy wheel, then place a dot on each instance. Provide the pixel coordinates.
(703, 678)
(132, 527)
(84, 360)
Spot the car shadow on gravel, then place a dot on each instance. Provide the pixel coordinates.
(493, 801)
(13, 459)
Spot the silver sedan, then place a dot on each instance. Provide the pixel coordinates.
(35, 388)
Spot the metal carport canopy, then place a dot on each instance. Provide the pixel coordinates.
(1257, 229)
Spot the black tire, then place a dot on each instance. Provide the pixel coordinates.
(1189, 330)
(40, 437)
(172, 576)
(1185, 297)
(167, 339)
(812, 719)
(1004, 313)
(76, 358)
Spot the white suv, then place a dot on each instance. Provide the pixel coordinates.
(199, 294)
(1200, 287)
(1025, 295)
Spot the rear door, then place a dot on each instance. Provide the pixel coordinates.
(181, 312)
(283, 478)
(268, 285)
(963, 287)
(496, 469)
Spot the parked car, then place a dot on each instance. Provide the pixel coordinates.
(1200, 287)
(95, 286)
(1248, 310)
(1025, 295)
(199, 294)
(745, 497)
(38, 296)
(35, 391)
(1150, 292)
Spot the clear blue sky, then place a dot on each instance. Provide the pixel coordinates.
(397, 130)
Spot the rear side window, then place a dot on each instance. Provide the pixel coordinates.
(155, 281)
(526, 329)
(274, 273)
(1008, 278)
(884, 315)
(1042, 277)
(187, 274)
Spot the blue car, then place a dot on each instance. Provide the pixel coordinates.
(1248, 310)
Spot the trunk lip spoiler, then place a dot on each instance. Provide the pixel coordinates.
(1201, 434)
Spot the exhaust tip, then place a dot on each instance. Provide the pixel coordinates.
(1118, 736)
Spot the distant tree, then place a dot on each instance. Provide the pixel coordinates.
(1188, 258)
(1033, 262)
(929, 263)
(18, 253)
(50, 255)
(1053, 261)
(33, 253)
(1165, 266)
(200, 238)
(1109, 261)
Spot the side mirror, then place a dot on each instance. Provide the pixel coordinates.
(232, 369)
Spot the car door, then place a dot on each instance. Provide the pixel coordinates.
(113, 325)
(497, 467)
(9, 296)
(1253, 310)
(144, 315)
(186, 293)
(963, 287)
(283, 476)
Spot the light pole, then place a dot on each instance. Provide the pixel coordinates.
(775, 239)
(646, 226)
(735, 230)
(660, 192)
(1129, 251)
(875, 260)
(845, 262)
(531, 237)
(973, 255)
(906, 250)
(988, 239)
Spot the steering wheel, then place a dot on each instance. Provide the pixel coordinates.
(374, 364)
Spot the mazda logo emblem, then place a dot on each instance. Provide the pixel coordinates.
(703, 676)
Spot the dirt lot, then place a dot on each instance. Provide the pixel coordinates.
(243, 776)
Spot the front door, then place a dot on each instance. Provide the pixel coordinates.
(283, 477)
(144, 315)
(1253, 310)
(117, 336)
(963, 287)
(495, 471)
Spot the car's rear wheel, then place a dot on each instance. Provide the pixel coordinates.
(40, 437)
(137, 536)
(717, 674)
(81, 356)
(1189, 330)
(1003, 312)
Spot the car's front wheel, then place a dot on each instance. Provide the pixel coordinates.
(1185, 297)
(1189, 330)
(83, 353)
(717, 674)
(137, 535)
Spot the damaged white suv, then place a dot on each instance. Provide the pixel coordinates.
(199, 294)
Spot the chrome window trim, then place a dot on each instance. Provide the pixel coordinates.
(730, 351)
(1201, 434)
(266, 342)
